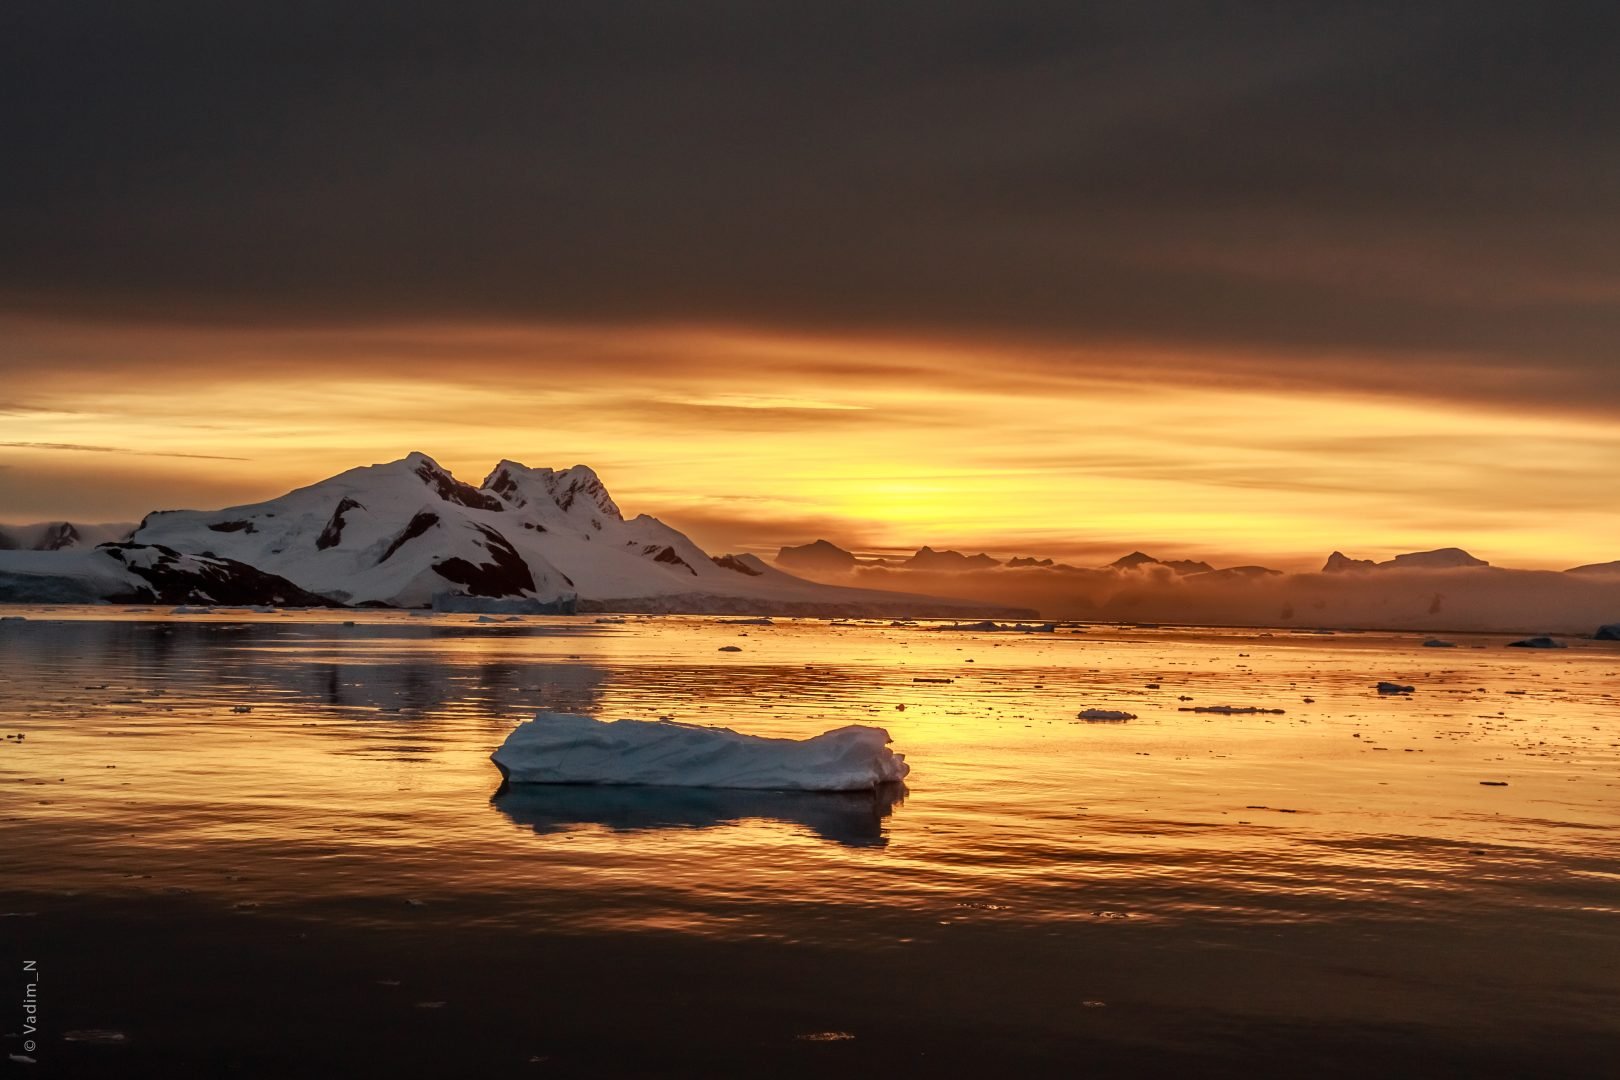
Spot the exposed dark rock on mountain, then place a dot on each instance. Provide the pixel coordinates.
(170, 577)
(506, 574)
(332, 535)
(418, 526)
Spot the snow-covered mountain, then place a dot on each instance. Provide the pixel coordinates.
(409, 534)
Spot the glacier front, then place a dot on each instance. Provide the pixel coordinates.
(562, 748)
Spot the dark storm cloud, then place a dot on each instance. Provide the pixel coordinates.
(1379, 178)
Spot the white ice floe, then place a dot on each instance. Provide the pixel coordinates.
(561, 748)
(1437, 643)
(1537, 643)
(1395, 688)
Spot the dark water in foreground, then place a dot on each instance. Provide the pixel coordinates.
(327, 881)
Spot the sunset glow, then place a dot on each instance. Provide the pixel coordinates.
(751, 440)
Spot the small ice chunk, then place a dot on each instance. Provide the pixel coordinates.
(561, 748)
(1436, 643)
(1537, 643)
(1105, 715)
(1395, 688)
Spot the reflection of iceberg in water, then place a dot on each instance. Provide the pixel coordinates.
(854, 818)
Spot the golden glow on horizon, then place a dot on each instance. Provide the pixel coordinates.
(752, 440)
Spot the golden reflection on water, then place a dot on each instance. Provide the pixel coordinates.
(356, 774)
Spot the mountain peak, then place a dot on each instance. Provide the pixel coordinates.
(1596, 568)
(823, 555)
(928, 558)
(1339, 563)
(1449, 558)
(519, 485)
(1438, 559)
(446, 486)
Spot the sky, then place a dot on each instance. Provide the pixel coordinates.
(1246, 282)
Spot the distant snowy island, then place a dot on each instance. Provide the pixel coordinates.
(408, 534)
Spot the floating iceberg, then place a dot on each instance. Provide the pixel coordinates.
(560, 748)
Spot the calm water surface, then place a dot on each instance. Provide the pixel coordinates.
(1439, 871)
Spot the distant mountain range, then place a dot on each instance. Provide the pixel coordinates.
(825, 557)
(1440, 590)
(409, 534)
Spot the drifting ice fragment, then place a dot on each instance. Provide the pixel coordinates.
(560, 748)
(1395, 688)
(1105, 715)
